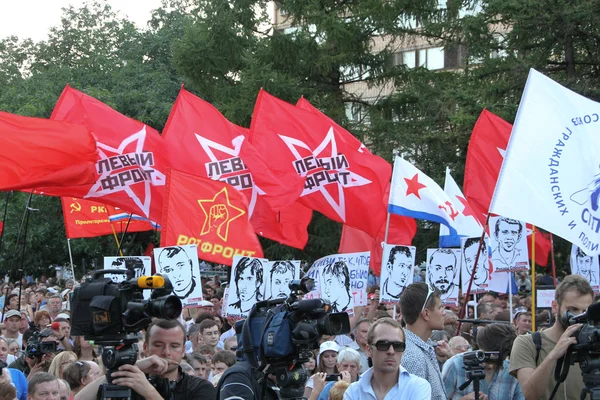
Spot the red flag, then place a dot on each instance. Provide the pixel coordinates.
(1, 228)
(36, 151)
(210, 214)
(201, 141)
(484, 158)
(130, 163)
(86, 218)
(332, 175)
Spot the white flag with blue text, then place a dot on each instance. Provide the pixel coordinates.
(551, 172)
(465, 223)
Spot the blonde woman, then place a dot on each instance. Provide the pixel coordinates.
(60, 361)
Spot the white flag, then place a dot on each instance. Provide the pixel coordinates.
(551, 173)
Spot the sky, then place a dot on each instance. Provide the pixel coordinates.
(33, 18)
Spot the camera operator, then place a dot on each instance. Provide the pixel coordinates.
(29, 364)
(165, 345)
(535, 369)
(240, 382)
(498, 383)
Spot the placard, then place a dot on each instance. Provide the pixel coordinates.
(398, 263)
(508, 240)
(443, 273)
(138, 265)
(247, 285)
(180, 264)
(586, 266)
(545, 297)
(484, 270)
(278, 276)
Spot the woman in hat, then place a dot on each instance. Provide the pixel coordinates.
(326, 364)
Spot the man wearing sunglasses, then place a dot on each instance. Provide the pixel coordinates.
(423, 312)
(387, 379)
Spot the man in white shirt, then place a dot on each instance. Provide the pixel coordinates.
(12, 322)
(387, 379)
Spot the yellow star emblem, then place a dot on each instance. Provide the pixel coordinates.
(218, 214)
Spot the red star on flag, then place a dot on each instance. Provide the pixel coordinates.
(414, 186)
(467, 211)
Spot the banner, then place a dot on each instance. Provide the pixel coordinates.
(550, 176)
(508, 244)
(130, 164)
(86, 218)
(332, 175)
(247, 285)
(36, 151)
(586, 266)
(358, 273)
(278, 276)
(396, 271)
(210, 214)
(443, 273)
(180, 264)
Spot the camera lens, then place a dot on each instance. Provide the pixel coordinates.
(167, 307)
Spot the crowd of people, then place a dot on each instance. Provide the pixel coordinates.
(413, 349)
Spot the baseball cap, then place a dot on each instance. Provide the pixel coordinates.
(518, 311)
(329, 346)
(205, 303)
(63, 315)
(13, 313)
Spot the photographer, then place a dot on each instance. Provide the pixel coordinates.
(535, 369)
(165, 345)
(241, 382)
(29, 363)
(498, 383)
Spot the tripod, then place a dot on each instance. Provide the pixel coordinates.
(474, 376)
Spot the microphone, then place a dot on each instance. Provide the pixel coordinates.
(149, 282)
(591, 314)
(55, 326)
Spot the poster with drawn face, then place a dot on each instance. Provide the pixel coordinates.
(278, 276)
(358, 271)
(138, 265)
(483, 272)
(508, 241)
(180, 264)
(586, 266)
(225, 302)
(247, 285)
(443, 273)
(398, 263)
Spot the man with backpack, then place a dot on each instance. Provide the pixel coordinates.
(534, 357)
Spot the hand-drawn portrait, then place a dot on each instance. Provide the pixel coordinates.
(442, 273)
(396, 271)
(469, 247)
(247, 286)
(136, 267)
(180, 264)
(509, 244)
(279, 276)
(586, 266)
(335, 286)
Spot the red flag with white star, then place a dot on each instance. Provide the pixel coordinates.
(201, 141)
(131, 165)
(209, 213)
(36, 151)
(332, 175)
(484, 158)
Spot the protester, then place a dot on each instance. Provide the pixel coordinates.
(326, 363)
(84, 350)
(207, 352)
(230, 344)
(79, 374)
(459, 345)
(199, 363)
(522, 321)
(535, 370)
(43, 386)
(12, 322)
(423, 312)
(360, 341)
(60, 362)
(209, 333)
(64, 390)
(221, 361)
(41, 319)
(348, 363)
(387, 378)
(497, 384)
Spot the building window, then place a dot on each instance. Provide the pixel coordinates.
(431, 58)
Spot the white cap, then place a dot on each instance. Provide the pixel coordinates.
(205, 303)
(63, 315)
(329, 346)
(52, 290)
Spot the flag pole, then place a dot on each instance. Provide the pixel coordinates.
(27, 212)
(71, 258)
(387, 223)
(6, 200)
(533, 302)
(552, 259)
(116, 239)
(466, 296)
(123, 235)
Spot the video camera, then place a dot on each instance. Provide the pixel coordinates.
(586, 352)
(279, 335)
(36, 348)
(113, 314)
(473, 363)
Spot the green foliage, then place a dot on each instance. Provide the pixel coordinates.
(226, 50)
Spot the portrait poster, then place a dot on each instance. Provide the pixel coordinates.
(443, 273)
(278, 276)
(180, 264)
(225, 301)
(247, 285)
(586, 266)
(483, 272)
(397, 266)
(508, 241)
(140, 265)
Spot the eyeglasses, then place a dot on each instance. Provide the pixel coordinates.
(384, 345)
(234, 348)
(430, 291)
